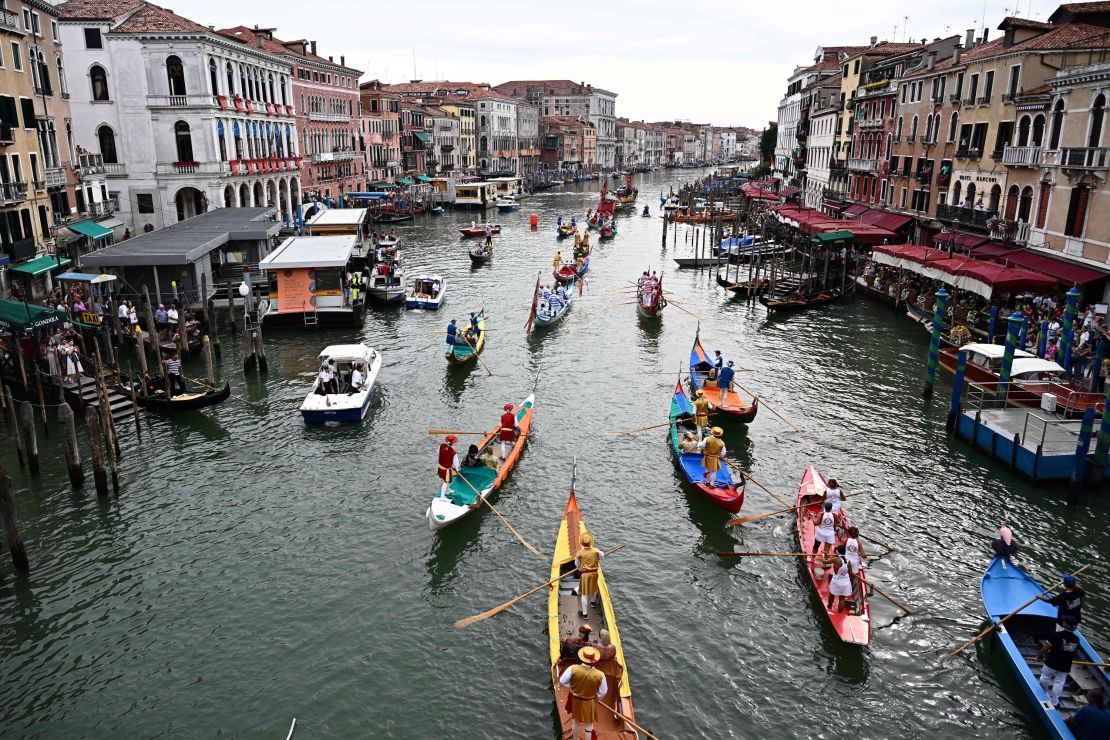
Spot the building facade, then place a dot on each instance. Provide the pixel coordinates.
(381, 132)
(567, 98)
(187, 119)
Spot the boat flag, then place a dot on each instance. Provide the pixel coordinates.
(532, 312)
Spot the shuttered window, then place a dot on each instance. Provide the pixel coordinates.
(1077, 211)
(1042, 207)
(29, 120)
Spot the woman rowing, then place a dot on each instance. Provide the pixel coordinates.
(824, 532)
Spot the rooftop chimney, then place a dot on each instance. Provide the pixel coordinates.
(313, 45)
(874, 40)
(969, 43)
(342, 60)
(330, 59)
(985, 32)
(956, 55)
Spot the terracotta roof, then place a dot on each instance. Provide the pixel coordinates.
(274, 45)
(474, 91)
(1014, 22)
(1084, 8)
(519, 88)
(1069, 36)
(95, 10)
(150, 18)
(828, 64)
(885, 48)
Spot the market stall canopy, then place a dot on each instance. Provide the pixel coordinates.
(86, 277)
(17, 316)
(885, 219)
(1065, 273)
(404, 181)
(91, 229)
(39, 265)
(967, 273)
(963, 241)
(423, 178)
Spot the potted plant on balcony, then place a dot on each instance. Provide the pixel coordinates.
(1004, 227)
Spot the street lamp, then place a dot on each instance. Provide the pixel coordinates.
(244, 289)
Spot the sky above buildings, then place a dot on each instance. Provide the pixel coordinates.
(717, 61)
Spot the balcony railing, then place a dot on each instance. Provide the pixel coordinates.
(1013, 231)
(985, 100)
(832, 194)
(180, 101)
(103, 208)
(1083, 158)
(191, 168)
(328, 117)
(18, 251)
(7, 135)
(13, 192)
(115, 169)
(968, 102)
(1021, 156)
(870, 123)
(55, 177)
(859, 164)
(90, 164)
(333, 156)
(954, 98)
(964, 216)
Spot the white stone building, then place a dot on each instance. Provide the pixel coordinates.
(567, 98)
(183, 119)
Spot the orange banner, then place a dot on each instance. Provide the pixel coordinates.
(295, 288)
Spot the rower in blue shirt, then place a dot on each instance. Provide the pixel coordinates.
(724, 382)
(718, 363)
(452, 333)
(1092, 722)
(474, 329)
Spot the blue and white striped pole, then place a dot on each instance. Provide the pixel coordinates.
(1042, 342)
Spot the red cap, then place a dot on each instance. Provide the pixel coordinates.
(508, 407)
(452, 439)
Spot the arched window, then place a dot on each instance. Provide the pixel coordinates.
(1026, 205)
(281, 81)
(996, 196)
(99, 80)
(913, 128)
(62, 77)
(175, 73)
(213, 76)
(956, 194)
(1098, 112)
(243, 82)
(969, 201)
(953, 126)
(107, 139)
(1057, 125)
(1011, 202)
(1038, 131)
(1023, 131)
(898, 129)
(270, 80)
(230, 80)
(184, 142)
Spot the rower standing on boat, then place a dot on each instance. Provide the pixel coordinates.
(824, 532)
(853, 550)
(558, 261)
(840, 586)
(588, 560)
(506, 434)
(1058, 652)
(173, 372)
(1006, 546)
(834, 496)
(586, 685)
(701, 413)
(448, 462)
(713, 451)
(1069, 602)
(724, 382)
(452, 334)
(718, 364)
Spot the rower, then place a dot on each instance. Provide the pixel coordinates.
(647, 211)
(452, 334)
(824, 532)
(724, 383)
(1005, 546)
(840, 587)
(1092, 722)
(577, 238)
(642, 279)
(701, 413)
(586, 684)
(588, 561)
(1057, 652)
(474, 328)
(173, 372)
(835, 496)
(506, 434)
(853, 550)
(558, 261)
(718, 365)
(448, 462)
(585, 239)
(713, 451)
(1069, 602)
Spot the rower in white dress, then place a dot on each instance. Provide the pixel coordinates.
(824, 532)
(853, 550)
(840, 587)
(835, 496)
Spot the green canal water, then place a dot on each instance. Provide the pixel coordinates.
(252, 570)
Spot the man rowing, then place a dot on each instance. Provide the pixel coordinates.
(1058, 651)
(506, 434)
(724, 382)
(588, 562)
(713, 452)
(1069, 602)
(453, 334)
(586, 684)
(448, 462)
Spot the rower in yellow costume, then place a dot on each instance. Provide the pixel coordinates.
(713, 451)
(701, 413)
(587, 684)
(558, 261)
(588, 560)
(577, 238)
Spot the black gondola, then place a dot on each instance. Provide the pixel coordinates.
(799, 301)
(479, 255)
(185, 401)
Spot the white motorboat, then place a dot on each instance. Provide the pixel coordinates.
(428, 292)
(350, 404)
(386, 288)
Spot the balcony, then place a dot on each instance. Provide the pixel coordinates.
(832, 194)
(179, 101)
(97, 210)
(12, 192)
(115, 169)
(868, 124)
(9, 21)
(1083, 158)
(333, 156)
(1016, 232)
(1021, 156)
(859, 164)
(328, 117)
(881, 87)
(937, 99)
(55, 177)
(954, 98)
(964, 216)
(21, 250)
(191, 168)
(968, 102)
(90, 164)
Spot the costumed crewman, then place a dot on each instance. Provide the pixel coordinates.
(506, 435)
(701, 413)
(724, 382)
(474, 330)
(586, 685)
(448, 462)
(557, 262)
(588, 561)
(713, 451)
(453, 334)
(1057, 651)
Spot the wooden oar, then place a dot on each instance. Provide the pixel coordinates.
(628, 720)
(874, 541)
(750, 477)
(770, 408)
(477, 356)
(443, 332)
(730, 554)
(498, 609)
(1087, 662)
(744, 520)
(680, 308)
(499, 516)
(880, 592)
(996, 625)
(455, 431)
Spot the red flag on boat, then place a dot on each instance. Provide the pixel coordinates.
(532, 312)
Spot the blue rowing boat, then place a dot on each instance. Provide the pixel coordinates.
(1005, 587)
(721, 490)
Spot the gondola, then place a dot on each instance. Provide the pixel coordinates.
(156, 400)
(463, 353)
(563, 620)
(757, 286)
(567, 273)
(480, 255)
(564, 231)
(1004, 588)
(547, 319)
(609, 230)
(650, 302)
(722, 491)
(798, 301)
(733, 406)
(461, 499)
(852, 624)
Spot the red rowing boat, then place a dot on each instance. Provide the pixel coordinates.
(852, 625)
(479, 230)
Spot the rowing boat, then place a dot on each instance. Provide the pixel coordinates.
(460, 499)
(548, 318)
(567, 273)
(649, 299)
(563, 621)
(1004, 588)
(721, 490)
(479, 230)
(799, 301)
(463, 352)
(210, 396)
(851, 625)
(564, 231)
(733, 405)
(480, 255)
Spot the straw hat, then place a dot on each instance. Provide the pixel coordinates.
(586, 539)
(717, 431)
(589, 655)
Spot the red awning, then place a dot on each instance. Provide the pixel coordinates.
(964, 241)
(1006, 279)
(788, 191)
(892, 221)
(856, 210)
(1065, 273)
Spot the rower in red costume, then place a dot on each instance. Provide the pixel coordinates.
(507, 434)
(448, 462)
